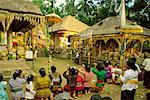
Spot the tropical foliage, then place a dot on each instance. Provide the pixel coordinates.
(93, 11)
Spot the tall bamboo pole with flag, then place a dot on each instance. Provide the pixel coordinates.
(90, 46)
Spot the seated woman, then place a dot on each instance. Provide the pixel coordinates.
(56, 81)
(16, 84)
(88, 76)
(100, 73)
(79, 84)
(71, 80)
(42, 85)
(3, 94)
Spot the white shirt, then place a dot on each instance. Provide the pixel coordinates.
(129, 75)
(31, 94)
(77, 54)
(138, 68)
(146, 63)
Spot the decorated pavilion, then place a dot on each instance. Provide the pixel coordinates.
(19, 18)
(61, 32)
(108, 41)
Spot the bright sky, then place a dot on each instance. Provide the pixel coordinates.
(59, 2)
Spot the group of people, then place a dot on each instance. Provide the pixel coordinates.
(79, 81)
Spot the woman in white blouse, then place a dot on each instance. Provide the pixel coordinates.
(130, 81)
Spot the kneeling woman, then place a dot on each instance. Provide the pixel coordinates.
(71, 81)
(56, 81)
(130, 80)
(16, 84)
(42, 85)
(100, 72)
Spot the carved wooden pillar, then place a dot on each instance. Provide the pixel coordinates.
(122, 51)
(9, 41)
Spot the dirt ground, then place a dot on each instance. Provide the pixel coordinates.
(110, 90)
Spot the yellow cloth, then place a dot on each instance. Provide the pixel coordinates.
(42, 85)
(131, 81)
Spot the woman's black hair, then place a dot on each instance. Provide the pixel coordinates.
(106, 98)
(72, 71)
(131, 65)
(1, 77)
(17, 73)
(106, 63)
(96, 97)
(29, 78)
(100, 66)
(53, 69)
(133, 59)
(87, 69)
(86, 64)
(42, 72)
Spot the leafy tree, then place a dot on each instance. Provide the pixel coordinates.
(70, 7)
(46, 6)
(86, 11)
(93, 11)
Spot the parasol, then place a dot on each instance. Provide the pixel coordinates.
(54, 18)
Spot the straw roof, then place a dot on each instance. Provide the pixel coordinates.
(111, 25)
(21, 15)
(19, 6)
(69, 23)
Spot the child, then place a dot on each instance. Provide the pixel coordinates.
(56, 81)
(79, 84)
(71, 81)
(108, 69)
(3, 94)
(29, 93)
(88, 76)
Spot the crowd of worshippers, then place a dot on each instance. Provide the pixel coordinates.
(79, 82)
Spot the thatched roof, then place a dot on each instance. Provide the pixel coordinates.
(111, 25)
(69, 23)
(19, 6)
(20, 15)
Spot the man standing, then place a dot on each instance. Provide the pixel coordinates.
(146, 65)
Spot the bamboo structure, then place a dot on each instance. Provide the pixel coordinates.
(18, 16)
(111, 41)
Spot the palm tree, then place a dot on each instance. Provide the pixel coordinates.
(86, 11)
(70, 7)
(46, 6)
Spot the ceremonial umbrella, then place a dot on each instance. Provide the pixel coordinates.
(52, 18)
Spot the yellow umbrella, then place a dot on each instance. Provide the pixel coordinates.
(54, 18)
